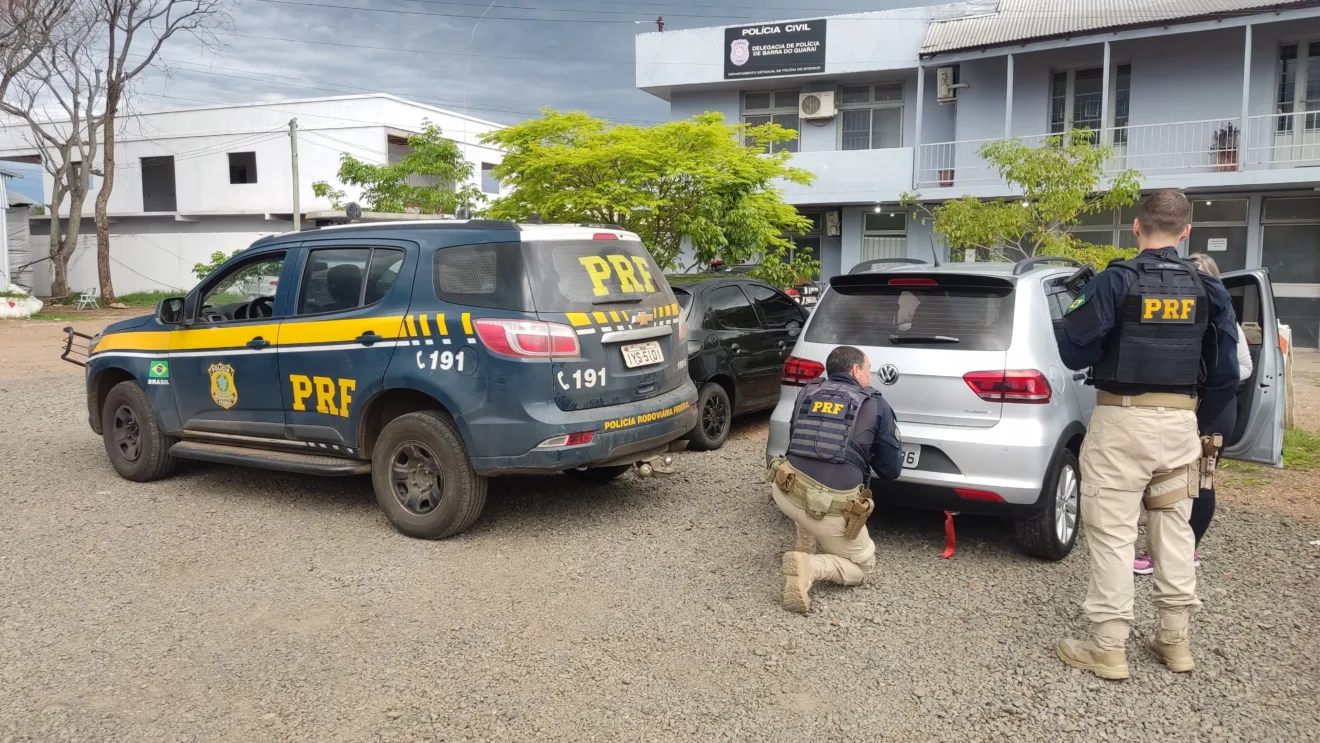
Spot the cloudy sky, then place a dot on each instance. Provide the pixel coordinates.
(569, 54)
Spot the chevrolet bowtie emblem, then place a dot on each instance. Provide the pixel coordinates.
(643, 318)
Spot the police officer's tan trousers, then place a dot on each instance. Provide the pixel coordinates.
(1124, 447)
(841, 560)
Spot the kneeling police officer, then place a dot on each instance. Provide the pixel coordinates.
(842, 429)
(1157, 334)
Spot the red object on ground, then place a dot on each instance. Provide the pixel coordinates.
(949, 542)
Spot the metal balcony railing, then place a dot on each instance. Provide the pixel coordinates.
(1208, 146)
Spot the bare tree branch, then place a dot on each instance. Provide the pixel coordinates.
(129, 25)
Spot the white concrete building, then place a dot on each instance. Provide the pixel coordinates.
(194, 181)
(1218, 97)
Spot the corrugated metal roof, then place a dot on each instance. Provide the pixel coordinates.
(1022, 20)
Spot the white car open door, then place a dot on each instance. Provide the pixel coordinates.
(1258, 435)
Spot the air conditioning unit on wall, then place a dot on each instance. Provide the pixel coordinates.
(947, 85)
(816, 105)
(832, 223)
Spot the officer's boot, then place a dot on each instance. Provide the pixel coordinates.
(806, 542)
(1104, 654)
(799, 574)
(1170, 642)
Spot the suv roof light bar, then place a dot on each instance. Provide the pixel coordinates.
(1030, 263)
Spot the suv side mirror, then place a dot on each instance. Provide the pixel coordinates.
(170, 311)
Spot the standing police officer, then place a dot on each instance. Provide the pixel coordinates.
(842, 429)
(1156, 333)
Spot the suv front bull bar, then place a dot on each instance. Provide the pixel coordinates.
(79, 353)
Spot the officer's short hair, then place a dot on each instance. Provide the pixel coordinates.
(1164, 212)
(842, 359)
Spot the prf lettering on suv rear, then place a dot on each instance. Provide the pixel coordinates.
(631, 272)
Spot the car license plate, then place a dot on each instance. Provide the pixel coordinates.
(642, 354)
(911, 455)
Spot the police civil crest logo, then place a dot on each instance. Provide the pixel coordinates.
(740, 51)
(223, 390)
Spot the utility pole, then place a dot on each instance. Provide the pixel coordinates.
(660, 24)
(293, 144)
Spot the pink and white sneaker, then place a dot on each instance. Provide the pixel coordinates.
(1143, 565)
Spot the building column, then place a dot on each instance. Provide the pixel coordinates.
(1255, 232)
(1008, 101)
(1104, 100)
(916, 135)
(1246, 98)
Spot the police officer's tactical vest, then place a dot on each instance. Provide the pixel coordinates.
(1160, 327)
(823, 424)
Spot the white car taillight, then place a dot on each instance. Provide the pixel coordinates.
(528, 339)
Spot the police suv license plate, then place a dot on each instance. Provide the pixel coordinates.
(911, 455)
(642, 354)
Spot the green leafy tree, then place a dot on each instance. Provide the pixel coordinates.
(1061, 181)
(202, 270)
(699, 181)
(433, 178)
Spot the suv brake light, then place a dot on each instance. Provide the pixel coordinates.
(528, 339)
(913, 282)
(1021, 385)
(800, 372)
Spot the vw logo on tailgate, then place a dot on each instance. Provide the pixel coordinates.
(888, 374)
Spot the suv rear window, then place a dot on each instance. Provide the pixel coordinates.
(582, 275)
(959, 317)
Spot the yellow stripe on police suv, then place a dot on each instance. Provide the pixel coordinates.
(338, 331)
(440, 325)
(467, 323)
(600, 317)
(426, 328)
(158, 341)
(578, 319)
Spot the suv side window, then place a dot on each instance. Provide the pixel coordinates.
(485, 275)
(228, 298)
(1059, 298)
(729, 309)
(341, 279)
(778, 310)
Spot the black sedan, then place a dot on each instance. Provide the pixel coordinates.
(740, 332)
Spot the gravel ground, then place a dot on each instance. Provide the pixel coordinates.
(234, 604)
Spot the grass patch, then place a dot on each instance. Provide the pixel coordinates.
(55, 317)
(1236, 466)
(1301, 449)
(145, 299)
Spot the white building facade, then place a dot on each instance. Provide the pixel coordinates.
(192, 182)
(1218, 97)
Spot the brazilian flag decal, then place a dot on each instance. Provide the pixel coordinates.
(159, 369)
(1078, 302)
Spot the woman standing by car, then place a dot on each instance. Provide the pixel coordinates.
(1203, 507)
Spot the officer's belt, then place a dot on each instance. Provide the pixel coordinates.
(795, 485)
(1147, 400)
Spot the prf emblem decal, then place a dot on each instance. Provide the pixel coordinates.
(1168, 309)
(223, 390)
(643, 318)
